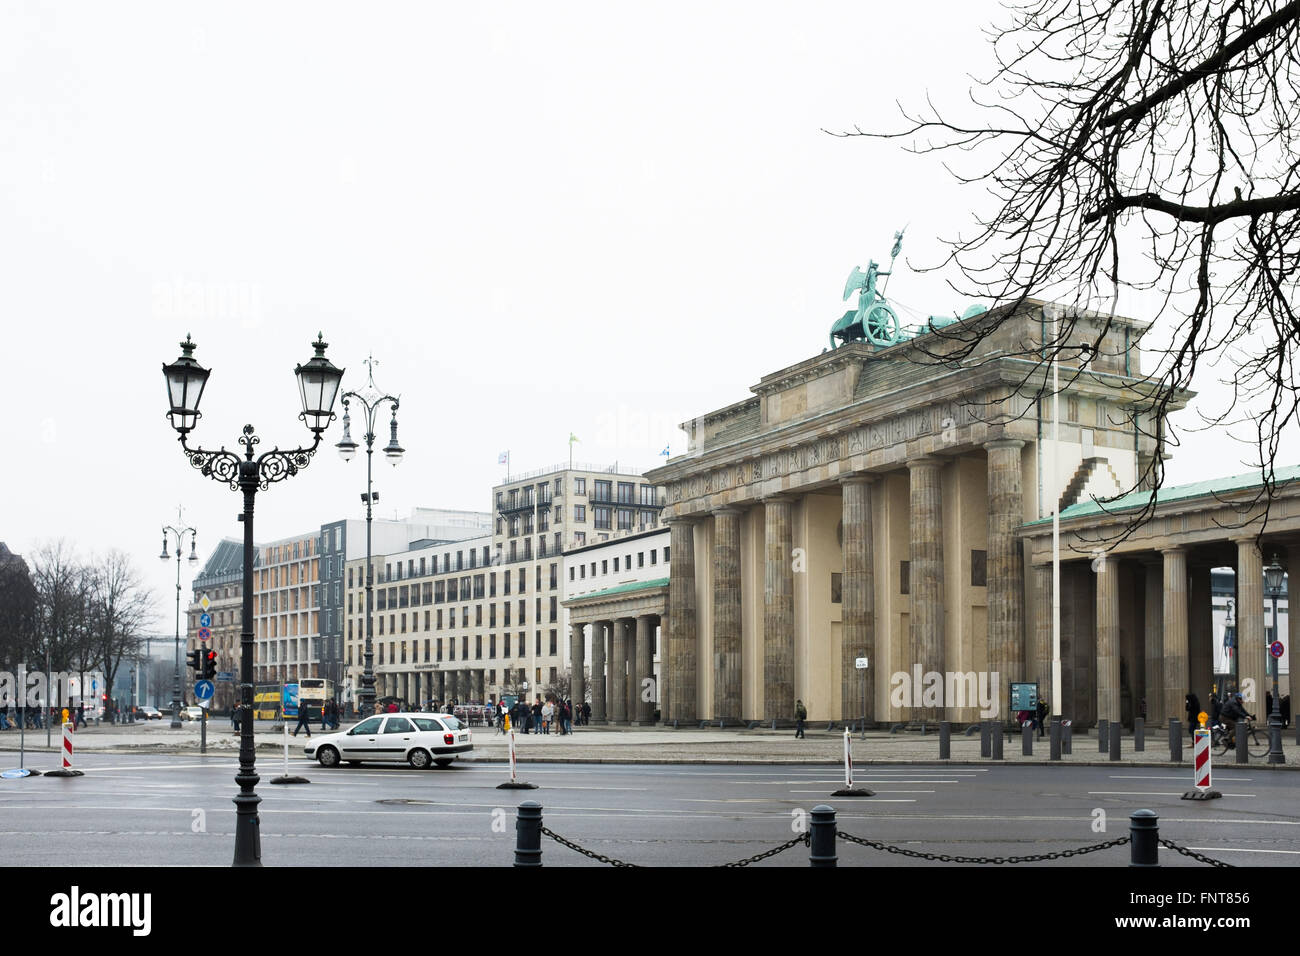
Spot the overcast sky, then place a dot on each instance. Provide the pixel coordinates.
(542, 218)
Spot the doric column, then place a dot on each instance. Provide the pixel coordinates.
(1154, 626)
(726, 613)
(577, 665)
(1292, 633)
(1250, 624)
(858, 597)
(1042, 662)
(645, 671)
(927, 624)
(683, 637)
(1108, 689)
(618, 673)
(1177, 677)
(1006, 564)
(598, 714)
(633, 681)
(778, 611)
(476, 686)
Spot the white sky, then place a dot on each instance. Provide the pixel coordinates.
(542, 218)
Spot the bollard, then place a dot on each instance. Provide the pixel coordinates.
(66, 770)
(986, 746)
(1054, 739)
(822, 837)
(1175, 740)
(1027, 740)
(1103, 729)
(1144, 838)
(1115, 728)
(528, 834)
(997, 740)
(1243, 755)
(1067, 743)
(1201, 769)
(945, 740)
(1140, 735)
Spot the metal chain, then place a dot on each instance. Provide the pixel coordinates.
(944, 858)
(1170, 845)
(573, 846)
(802, 838)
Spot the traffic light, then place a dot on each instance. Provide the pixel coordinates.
(194, 659)
(210, 665)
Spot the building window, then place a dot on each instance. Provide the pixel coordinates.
(478, 615)
(492, 615)
(604, 491)
(837, 580)
(492, 647)
(451, 648)
(478, 647)
(464, 647)
(616, 565)
(579, 512)
(654, 557)
(582, 568)
(601, 518)
(904, 577)
(579, 486)
(979, 569)
(579, 539)
(604, 566)
(554, 611)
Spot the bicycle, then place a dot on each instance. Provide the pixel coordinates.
(1256, 740)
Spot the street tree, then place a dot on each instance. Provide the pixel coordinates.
(17, 610)
(120, 609)
(1144, 149)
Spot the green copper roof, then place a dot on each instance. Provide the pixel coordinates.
(621, 589)
(1137, 499)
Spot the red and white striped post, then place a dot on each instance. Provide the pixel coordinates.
(514, 783)
(1201, 766)
(66, 770)
(512, 756)
(850, 790)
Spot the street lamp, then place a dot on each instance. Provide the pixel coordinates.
(371, 399)
(318, 383)
(180, 534)
(1273, 582)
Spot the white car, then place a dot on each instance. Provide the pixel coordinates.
(418, 739)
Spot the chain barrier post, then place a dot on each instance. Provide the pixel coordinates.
(1243, 755)
(822, 837)
(1144, 838)
(528, 834)
(1027, 740)
(945, 740)
(1175, 741)
(996, 729)
(1114, 729)
(986, 744)
(1140, 735)
(1068, 742)
(1054, 740)
(1103, 728)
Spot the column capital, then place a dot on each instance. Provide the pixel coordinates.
(1176, 549)
(1004, 443)
(926, 461)
(859, 478)
(726, 510)
(779, 497)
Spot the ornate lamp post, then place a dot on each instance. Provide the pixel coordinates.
(371, 399)
(318, 383)
(180, 534)
(1273, 582)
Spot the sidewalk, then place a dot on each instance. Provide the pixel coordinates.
(656, 745)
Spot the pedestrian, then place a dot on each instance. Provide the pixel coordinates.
(537, 715)
(303, 722)
(548, 715)
(79, 719)
(1216, 710)
(1043, 711)
(566, 718)
(800, 715)
(1193, 707)
(586, 713)
(234, 717)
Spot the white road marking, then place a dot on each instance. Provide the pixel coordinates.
(1151, 793)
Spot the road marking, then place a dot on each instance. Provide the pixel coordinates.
(1150, 793)
(878, 791)
(1134, 776)
(1237, 849)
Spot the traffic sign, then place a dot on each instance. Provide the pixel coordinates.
(203, 689)
(204, 602)
(205, 634)
(226, 677)
(1276, 649)
(14, 774)
(860, 663)
(205, 620)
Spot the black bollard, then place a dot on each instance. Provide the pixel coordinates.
(1055, 739)
(945, 740)
(986, 746)
(1175, 740)
(996, 728)
(1144, 838)
(1243, 755)
(1140, 735)
(1103, 728)
(822, 834)
(1027, 740)
(1115, 728)
(528, 834)
(1067, 744)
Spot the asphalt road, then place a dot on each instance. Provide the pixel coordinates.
(176, 811)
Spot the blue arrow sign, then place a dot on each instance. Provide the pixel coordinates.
(204, 689)
(205, 620)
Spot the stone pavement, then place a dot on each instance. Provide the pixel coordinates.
(652, 745)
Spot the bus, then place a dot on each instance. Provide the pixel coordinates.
(312, 694)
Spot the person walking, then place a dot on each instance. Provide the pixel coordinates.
(800, 715)
(1042, 712)
(303, 722)
(1193, 707)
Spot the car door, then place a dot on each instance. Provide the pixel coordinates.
(396, 739)
(360, 742)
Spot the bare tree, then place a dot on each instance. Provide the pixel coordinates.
(121, 608)
(59, 578)
(17, 609)
(1142, 145)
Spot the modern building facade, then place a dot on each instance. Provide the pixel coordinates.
(221, 581)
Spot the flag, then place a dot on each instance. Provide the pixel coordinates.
(572, 438)
(665, 452)
(503, 458)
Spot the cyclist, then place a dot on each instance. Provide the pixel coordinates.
(1233, 711)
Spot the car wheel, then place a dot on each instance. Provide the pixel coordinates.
(328, 757)
(443, 761)
(419, 759)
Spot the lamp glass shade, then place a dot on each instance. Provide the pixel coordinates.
(318, 382)
(1273, 574)
(393, 450)
(186, 379)
(347, 447)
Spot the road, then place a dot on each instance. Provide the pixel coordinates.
(175, 810)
